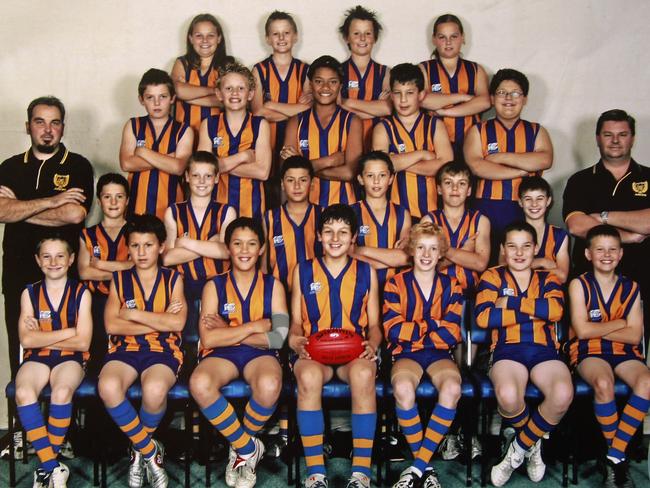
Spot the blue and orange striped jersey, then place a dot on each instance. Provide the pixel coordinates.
(100, 245)
(416, 193)
(56, 318)
(236, 309)
(153, 190)
(464, 82)
(529, 315)
(282, 90)
(187, 113)
(618, 306)
(496, 138)
(202, 268)
(132, 295)
(551, 242)
(246, 195)
(413, 322)
(367, 86)
(329, 302)
(468, 227)
(316, 141)
(289, 242)
(385, 234)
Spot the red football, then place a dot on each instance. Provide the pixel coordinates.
(334, 346)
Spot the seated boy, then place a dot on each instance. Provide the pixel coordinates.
(606, 331)
(244, 321)
(241, 141)
(336, 292)
(155, 148)
(417, 142)
(102, 251)
(422, 313)
(520, 305)
(328, 135)
(55, 328)
(145, 314)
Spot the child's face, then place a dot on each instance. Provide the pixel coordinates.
(361, 37)
(448, 40)
(604, 252)
(336, 237)
(205, 39)
(506, 104)
(325, 86)
(157, 101)
(406, 98)
(519, 250)
(245, 249)
(375, 179)
(113, 200)
(281, 36)
(426, 253)
(296, 184)
(454, 189)
(535, 203)
(234, 91)
(144, 249)
(54, 259)
(201, 178)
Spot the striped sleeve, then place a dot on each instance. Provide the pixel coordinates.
(396, 328)
(549, 307)
(486, 312)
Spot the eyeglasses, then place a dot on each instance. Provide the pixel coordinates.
(513, 94)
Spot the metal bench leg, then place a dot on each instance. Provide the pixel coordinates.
(12, 454)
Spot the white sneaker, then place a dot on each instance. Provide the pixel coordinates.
(534, 463)
(59, 477)
(477, 449)
(247, 476)
(430, 479)
(502, 472)
(358, 480)
(450, 448)
(316, 481)
(41, 478)
(231, 471)
(407, 479)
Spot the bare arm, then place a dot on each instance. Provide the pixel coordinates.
(367, 109)
(70, 213)
(538, 160)
(559, 267)
(353, 150)
(582, 326)
(476, 254)
(115, 325)
(278, 306)
(477, 104)
(633, 333)
(205, 142)
(297, 339)
(171, 320)
(260, 167)
(86, 271)
(375, 334)
(83, 328)
(484, 168)
(635, 221)
(187, 92)
(129, 161)
(390, 258)
(29, 333)
(174, 163)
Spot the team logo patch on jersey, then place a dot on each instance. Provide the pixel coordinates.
(131, 304)
(401, 148)
(595, 314)
(640, 188)
(228, 308)
(304, 144)
(278, 241)
(364, 230)
(436, 87)
(44, 315)
(140, 143)
(315, 287)
(508, 292)
(493, 147)
(60, 182)
(97, 251)
(217, 141)
(353, 84)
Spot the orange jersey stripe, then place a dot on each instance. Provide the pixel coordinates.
(187, 113)
(100, 245)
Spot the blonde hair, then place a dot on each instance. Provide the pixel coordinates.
(239, 69)
(427, 229)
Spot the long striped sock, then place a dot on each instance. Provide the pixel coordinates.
(150, 420)
(363, 437)
(519, 420)
(255, 416)
(411, 425)
(58, 423)
(283, 421)
(607, 417)
(533, 431)
(32, 420)
(439, 423)
(223, 417)
(312, 426)
(631, 418)
(128, 421)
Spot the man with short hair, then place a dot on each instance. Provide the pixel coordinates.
(614, 191)
(43, 189)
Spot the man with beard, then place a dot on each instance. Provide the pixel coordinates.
(614, 191)
(45, 190)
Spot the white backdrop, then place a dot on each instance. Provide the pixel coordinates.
(582, 57)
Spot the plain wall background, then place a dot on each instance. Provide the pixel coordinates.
(582, 57)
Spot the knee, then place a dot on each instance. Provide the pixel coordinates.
(62, 394)
(642, 386)
(449, 393)
(310, 382)
(154, 394)
(362, 377)
(267, 388)
(404, 393)
(110, 390)
(202, 386)
(604, 388)
(561, 396)
(509, 399)
(25, 395)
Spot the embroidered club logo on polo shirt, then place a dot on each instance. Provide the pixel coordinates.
(60, 182)
(640, 188)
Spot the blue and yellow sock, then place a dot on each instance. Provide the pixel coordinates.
(223, 417)
(283, 421)
(58, 423)
(519, 420)
(255, 416)
(631, 417)
(533, 431)
(32, 420)
(411, 425)
(311, 425)
(128, 421)
(363, 437)
(607, 418)
(439, 423)
(150, 421)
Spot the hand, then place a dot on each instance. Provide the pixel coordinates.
(175, 306)
(298, 343)
(402, 243)
(262, 326)
(543, 263)
(288, 151)
(501, 302)
(32, 324)
(369, 352)
(71, 195)
(306, 98)
(7, 192)
(183, 241)
(384, 95)
(443, 263)
(470, 243)
(213, 321)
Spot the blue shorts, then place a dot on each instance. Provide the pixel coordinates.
(530, 355)
(612, 359)
(425, 357)
(240, 355)
(142, 360)
(53, 361)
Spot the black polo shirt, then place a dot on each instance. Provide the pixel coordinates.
(594, 190)
(30, 178)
